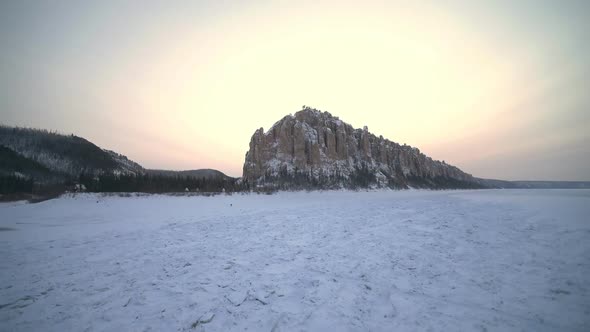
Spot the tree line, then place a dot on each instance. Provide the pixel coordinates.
(147, 183)
(153, 183)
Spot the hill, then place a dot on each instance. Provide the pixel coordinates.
(206, 173)
(35, 161)
(69, 155)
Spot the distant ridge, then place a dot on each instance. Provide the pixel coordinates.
(503, 184)
(206, 173)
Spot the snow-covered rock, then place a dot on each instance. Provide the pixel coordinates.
(314, 148)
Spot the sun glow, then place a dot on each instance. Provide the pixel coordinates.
(413, 76)
(189, 87)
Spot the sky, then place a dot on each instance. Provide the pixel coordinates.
(500, 89)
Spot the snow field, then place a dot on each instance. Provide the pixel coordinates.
(508, 260)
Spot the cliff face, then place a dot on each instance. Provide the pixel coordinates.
(314, 149)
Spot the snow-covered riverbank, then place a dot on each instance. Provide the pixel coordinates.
(379, 261)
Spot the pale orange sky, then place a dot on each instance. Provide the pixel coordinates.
(496, 89)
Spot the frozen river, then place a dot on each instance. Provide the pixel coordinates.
(487, 260)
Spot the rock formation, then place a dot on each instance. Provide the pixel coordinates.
(314, 149)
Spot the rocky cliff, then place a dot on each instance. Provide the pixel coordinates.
(314, 149)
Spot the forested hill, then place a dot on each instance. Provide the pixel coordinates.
(206, 173)
(65, 154)
(39, 161)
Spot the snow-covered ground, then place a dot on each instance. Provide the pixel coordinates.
(337, 261)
